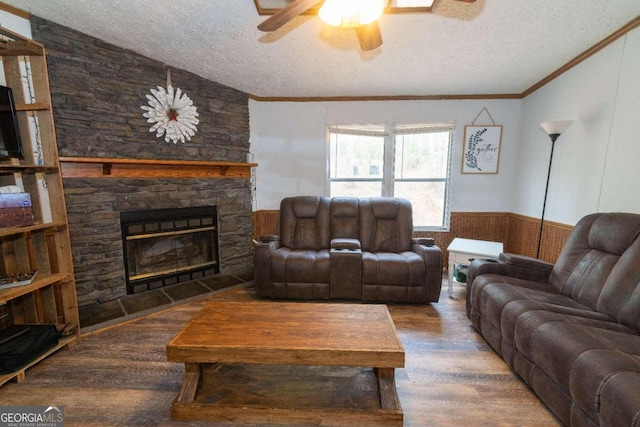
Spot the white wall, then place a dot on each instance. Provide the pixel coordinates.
(595, 162)
(621, 179)
(289, 143)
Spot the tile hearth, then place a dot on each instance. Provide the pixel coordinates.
(98, 316)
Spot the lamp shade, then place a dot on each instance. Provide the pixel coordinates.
(351, 13)
(556, 128)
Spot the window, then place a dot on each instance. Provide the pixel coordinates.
(409, 161)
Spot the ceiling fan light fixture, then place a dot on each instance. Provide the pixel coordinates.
(351, 13)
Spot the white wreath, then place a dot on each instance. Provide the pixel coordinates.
(172, 113)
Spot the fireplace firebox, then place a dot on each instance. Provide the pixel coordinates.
(167, 246)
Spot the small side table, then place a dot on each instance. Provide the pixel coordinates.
(464, 250)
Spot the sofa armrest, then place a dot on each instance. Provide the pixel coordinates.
(533, 264)
(427, 241)
(345, 269)
(431, 254)
(432, 257)
(345, 243)
(262, 265)
(265, 238)
(512, 265)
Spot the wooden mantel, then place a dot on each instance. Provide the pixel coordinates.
(96, 167)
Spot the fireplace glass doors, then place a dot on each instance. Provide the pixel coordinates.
(168, 246)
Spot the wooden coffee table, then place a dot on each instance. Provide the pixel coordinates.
(263, 334)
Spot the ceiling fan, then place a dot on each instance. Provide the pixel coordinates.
(343, 14)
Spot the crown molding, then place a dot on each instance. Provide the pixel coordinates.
(380, 98)
(634, 23)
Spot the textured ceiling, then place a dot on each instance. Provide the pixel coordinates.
(488, 47)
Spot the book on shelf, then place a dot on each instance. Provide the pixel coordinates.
(17, 279)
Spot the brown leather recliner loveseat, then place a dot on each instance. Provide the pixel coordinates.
(570, 330)
(347, 248)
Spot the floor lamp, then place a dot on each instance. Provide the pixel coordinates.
(554, 130)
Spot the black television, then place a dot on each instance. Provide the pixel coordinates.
(10, 143)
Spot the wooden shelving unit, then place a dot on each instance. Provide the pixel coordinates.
(44, 246)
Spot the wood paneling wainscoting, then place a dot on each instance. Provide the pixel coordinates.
(518, 233)
(522, 237)
(265, 222)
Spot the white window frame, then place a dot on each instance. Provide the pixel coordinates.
(389, 132)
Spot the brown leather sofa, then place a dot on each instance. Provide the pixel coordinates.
(570, 330)
(347, 248)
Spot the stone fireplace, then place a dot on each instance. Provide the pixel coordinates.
(163, 247)
(95, 206)
(97, 90)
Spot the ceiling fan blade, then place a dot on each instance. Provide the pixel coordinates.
(369, 36)
(286, 14)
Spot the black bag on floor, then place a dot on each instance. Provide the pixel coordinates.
(20, 344)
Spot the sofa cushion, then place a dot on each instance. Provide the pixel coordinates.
(620, 400)
(575, 247)
(620, 295)
(393, 277)
(393, 294)
(588, 277)
(386, 224)
(491, 294)
(514, 309)
(590, 255)
(614, 232)
(400, 269)
(345, 217)
(553, 355)
(594, 369)
(553, 342)
(300, 266)
(292, 290)
(304, 222)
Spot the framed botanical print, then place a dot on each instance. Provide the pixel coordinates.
(481, 149)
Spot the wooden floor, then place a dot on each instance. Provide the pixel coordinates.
(120, 377)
